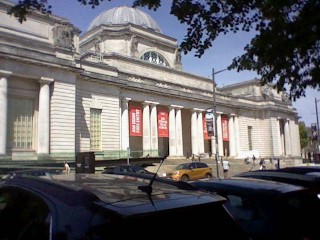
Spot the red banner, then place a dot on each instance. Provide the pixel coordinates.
(163, 124)
(205, 131)
(225, 129)
(136, 121)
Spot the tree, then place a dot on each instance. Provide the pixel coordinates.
(304, 140)
(284, 52)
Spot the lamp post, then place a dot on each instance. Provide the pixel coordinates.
(318, 130)
(215, 118)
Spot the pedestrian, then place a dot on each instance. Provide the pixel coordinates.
(66, 167)
(262, 164)
(254, 159)
(226, 167)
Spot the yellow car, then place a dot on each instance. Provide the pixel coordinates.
(190, 171)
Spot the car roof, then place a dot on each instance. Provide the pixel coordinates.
(118, 193)
(292, 178)
(249, 185)
(300, 169)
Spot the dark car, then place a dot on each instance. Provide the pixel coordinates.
(122, 169)
(311, 181)
(267, 209)
(99, 206)
(304, 170)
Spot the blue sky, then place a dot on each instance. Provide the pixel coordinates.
(224, 49)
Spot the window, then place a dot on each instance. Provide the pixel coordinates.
(20, 123)
(250, 137)
(95, 129)
(155, 58)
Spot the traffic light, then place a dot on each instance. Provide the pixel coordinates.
(314, 133)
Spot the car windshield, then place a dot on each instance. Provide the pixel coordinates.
(182, 166)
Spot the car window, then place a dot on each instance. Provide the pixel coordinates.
(182, 166)
(243, 208)
(23, 215)
(193, 165)
(202, 165)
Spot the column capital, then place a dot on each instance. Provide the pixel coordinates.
(45, 80)
(176, 106)
(4, 73)
(198, 109)
(125, 99)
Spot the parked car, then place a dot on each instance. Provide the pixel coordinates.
(268, 209)
(121, 169)
(97, 206)
(190, 171)
(304, 170)
(311, 181)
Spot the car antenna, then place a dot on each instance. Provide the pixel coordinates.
(148, 189)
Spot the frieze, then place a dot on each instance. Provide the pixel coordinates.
(187, 90)
(206, 94)
(285, 97)
(267, 92)
(137, 80)
(63, 35)
(163, 85)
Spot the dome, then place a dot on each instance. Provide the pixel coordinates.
(124, 15)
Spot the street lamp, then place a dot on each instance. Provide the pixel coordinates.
(215, 118)
(318, 131)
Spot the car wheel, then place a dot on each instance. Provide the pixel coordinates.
(208, 175)
(185, 178)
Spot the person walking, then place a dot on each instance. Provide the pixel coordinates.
(66, 167)
(226, 167)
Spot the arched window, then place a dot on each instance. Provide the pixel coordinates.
(155, 58)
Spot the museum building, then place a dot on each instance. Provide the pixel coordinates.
(119, 89)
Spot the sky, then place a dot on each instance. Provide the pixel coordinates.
(218, 57)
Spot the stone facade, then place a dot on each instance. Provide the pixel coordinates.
(120, 88)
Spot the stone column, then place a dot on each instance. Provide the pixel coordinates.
(125, 124)
(172, 132)
(231, 136)
(146, 139)
(44, 116)
(179, 138)
(194, 133)
(154, 130)
(200, 133)
(237, 137)
(287, 137)
(280, 137)
(3, 110)
(220, 140)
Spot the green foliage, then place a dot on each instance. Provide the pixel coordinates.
(285, 50)
(303, 135)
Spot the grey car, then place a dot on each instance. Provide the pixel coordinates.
(104, 206)
(268, 209)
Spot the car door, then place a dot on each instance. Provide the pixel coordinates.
(23, 215)
(196, 171)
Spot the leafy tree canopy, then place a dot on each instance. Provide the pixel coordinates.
(285, 50)
(304, 139)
